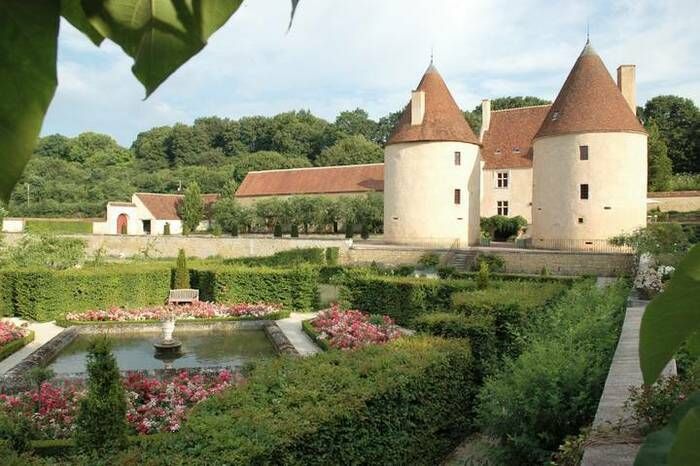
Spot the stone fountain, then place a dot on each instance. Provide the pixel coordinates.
(168, 348)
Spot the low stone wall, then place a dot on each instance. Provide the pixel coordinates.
(197, 246)
(679, 201)
(527, 261)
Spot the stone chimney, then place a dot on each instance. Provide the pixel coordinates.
(485, 117)
(626, 84)
(417, 107)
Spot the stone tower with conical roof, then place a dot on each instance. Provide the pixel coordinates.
(589, 162)
(432, 171)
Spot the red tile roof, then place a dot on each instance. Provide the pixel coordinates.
(164, 206)
(589, 101)
(317, 180)
(442, 121)
(509, 130)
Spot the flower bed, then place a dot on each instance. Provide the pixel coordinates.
(335, 328)
(12, 338)
(198, 310)
(152, 405)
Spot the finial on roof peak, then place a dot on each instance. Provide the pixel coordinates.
(588, 48)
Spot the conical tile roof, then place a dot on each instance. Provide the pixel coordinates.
(589, 101)
(442, 121)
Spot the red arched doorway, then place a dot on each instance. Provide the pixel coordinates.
(122, 224)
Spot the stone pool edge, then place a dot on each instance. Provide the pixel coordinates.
(16, 379)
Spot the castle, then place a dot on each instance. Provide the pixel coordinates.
(575, 169)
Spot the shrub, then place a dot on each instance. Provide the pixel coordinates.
(495, 263)
(191, 208)
(407, 402)
(501, 227)
(234, 231)
(652, 405)
(166, 229)
(552, 389)
(182, 275)
(429, 260)
(511, 304)
(400, 298)
(290, 258)
(480, 330)
(364, 231)
(40, 294)
(45, 251)
(349, 230)
(101, 420)
(216, 230)
(483, 277)
(655, 239)
(277, 231)
(294, 231)
(293, 289)
(332, 255)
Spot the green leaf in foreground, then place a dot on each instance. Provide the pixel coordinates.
(28, 36)
(72, 10)
(671, 318)
(160, 35)
(675, 444)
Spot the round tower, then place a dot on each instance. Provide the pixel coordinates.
(431, 171)
(589, 162)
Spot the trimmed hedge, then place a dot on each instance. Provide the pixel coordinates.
(15, 345)
(294, 289)
(309, 329)
(48, 294)
(283, 314)
(552, 389)
(480, 330)
(511, 304)
(290, 258)
(401, 298)
(407, 402)
(451, 272)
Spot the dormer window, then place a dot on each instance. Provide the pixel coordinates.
(555, 116)
(498, 151)
(516, 150)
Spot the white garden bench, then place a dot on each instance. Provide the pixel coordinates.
(183, 296)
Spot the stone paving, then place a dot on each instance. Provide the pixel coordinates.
(43, 332)
(291, 326)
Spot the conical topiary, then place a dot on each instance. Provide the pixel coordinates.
(182, 275)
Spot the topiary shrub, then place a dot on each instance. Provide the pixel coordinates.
(364, 232)
(101, 421)
(479, 329)
(349, 230)
(496, 263)
(182, 275)
(332, 255)
(401, 298)
(277, 231)
(483, 277)
(294, 231)
(234, 231)
(166, 229)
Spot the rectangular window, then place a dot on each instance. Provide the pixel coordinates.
(458, 196)
(502, 180)
(458, 158)
(502, 208)
(583, 152)
(584, 191)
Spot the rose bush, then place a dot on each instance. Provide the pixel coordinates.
(152, 405)
(353, 329)
(10, 332)
(198, 310)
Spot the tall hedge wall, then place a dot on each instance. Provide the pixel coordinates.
(402, 298)
(407, 402)
(48, 294)
(295, 289)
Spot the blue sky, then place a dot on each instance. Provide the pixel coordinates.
(344, 54)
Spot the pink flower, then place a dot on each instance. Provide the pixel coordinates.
(352, 329)
(198, 310)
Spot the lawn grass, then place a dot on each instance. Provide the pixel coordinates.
(58, 227)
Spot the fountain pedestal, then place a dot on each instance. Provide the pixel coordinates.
(167, 345)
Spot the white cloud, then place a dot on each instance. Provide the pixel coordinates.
(366, 53)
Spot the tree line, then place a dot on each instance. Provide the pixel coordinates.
(88, 170)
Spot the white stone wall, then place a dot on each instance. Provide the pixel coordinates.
(13, 225)
(518, 194)
(616, 173)
(419, 183)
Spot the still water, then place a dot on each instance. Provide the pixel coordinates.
(134, 351)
